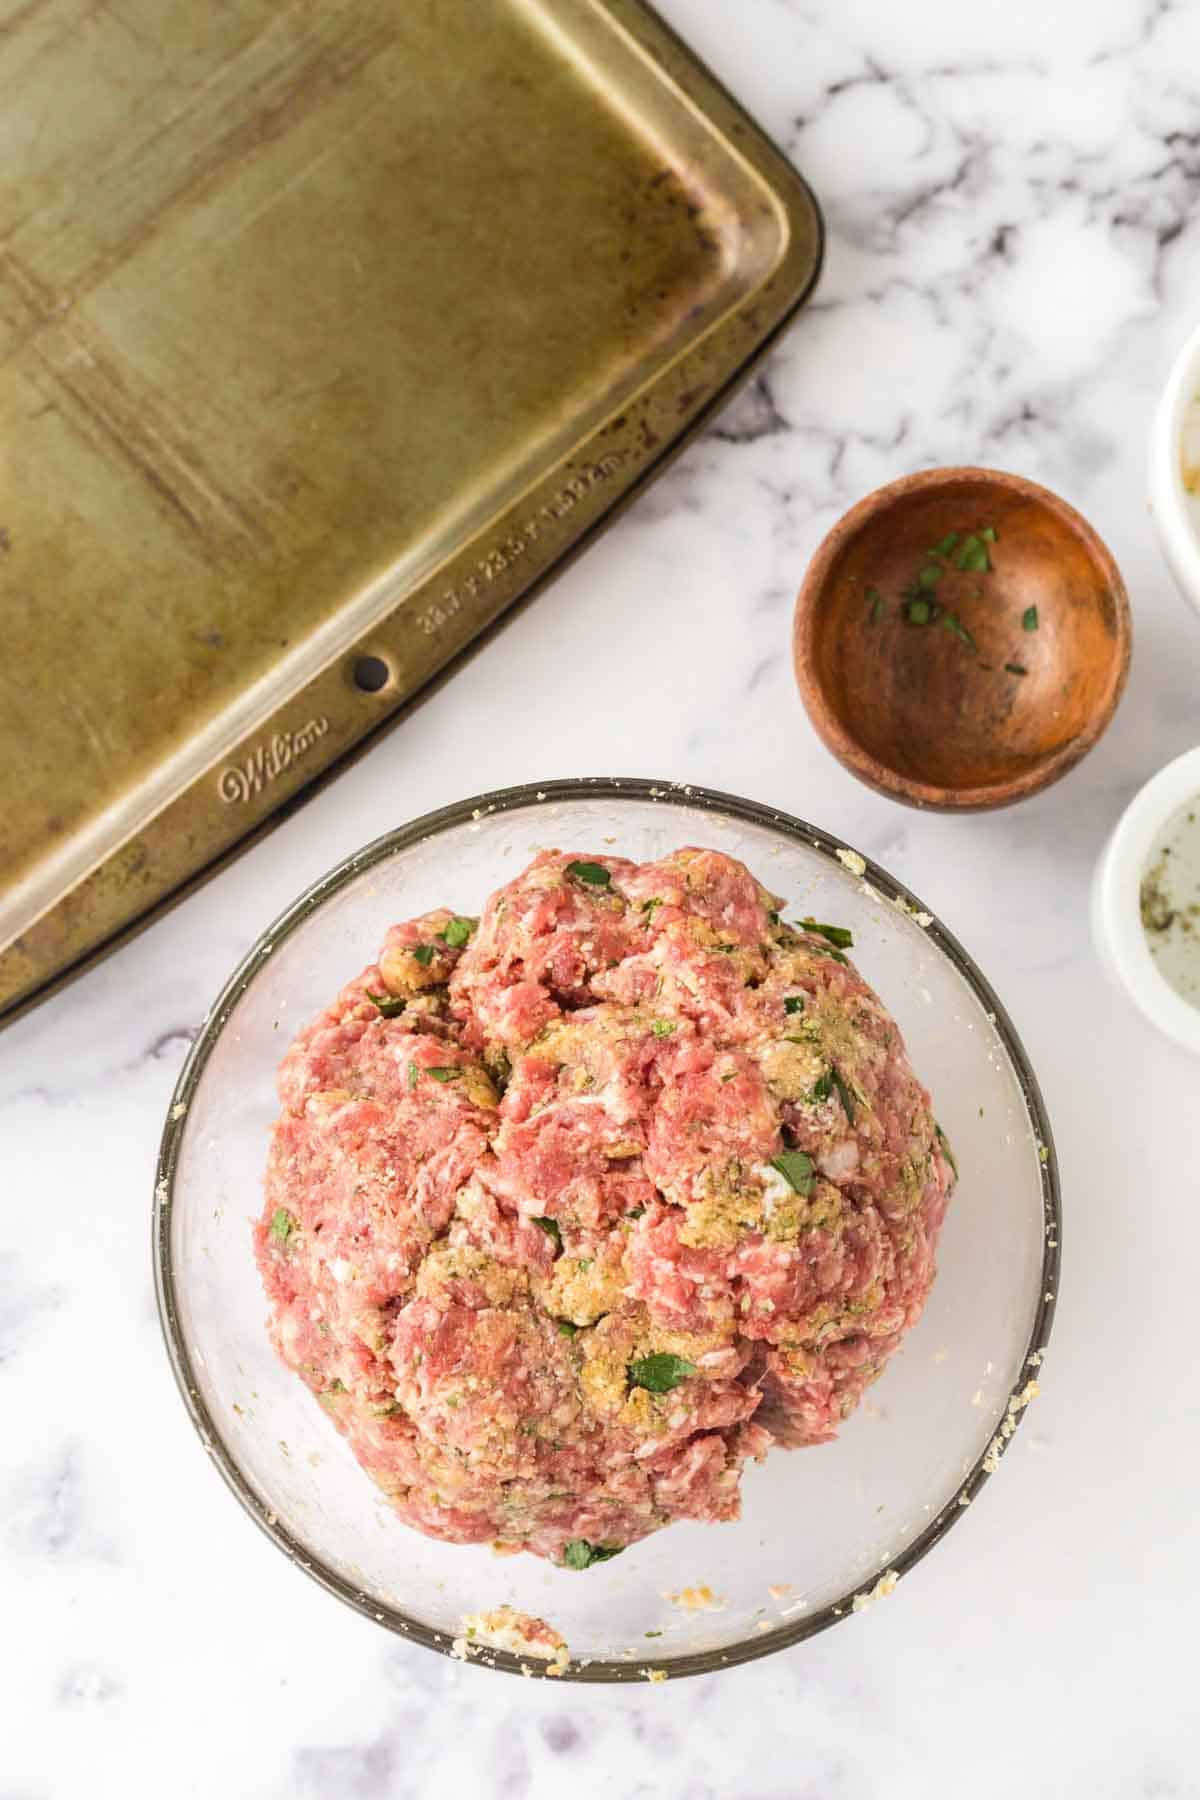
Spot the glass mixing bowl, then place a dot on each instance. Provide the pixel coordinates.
(823, 1529)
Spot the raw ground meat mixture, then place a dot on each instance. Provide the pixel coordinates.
(573, 1209)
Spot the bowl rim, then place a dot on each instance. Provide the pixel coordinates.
(430, 825)
(1177, 533)
(849, 751)
(1116, 900)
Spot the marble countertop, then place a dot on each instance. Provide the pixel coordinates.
(1014, 255)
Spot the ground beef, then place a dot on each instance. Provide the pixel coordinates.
(573, 1209)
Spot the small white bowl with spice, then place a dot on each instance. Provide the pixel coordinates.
(1175, 470)
(1146, 901)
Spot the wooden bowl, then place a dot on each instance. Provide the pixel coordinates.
(962, 639)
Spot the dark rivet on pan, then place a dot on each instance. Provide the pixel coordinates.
(370, 674)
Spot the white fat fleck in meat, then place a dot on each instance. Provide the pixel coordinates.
(840, 1161)
(340, 1269)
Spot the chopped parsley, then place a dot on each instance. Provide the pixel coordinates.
(457, 933)
(567, 1327)
(579, 1554)
(661, 1372)
(414, 1075)
(973, 553)
(1029, 619)
(796, 1169)
(650, 907)
(951, 622)
(843, 1093)
(424, 954)
(837, 934)
(1016, 669)
(387, 1004)
(635, 1212)
(970, 554)
(444, 1073)
(282, 1225)
(592, 874)
(827, 950)
(550, 1227)
(662, 1027)
(947, 1152)
(794, 1003)
(833, 1081)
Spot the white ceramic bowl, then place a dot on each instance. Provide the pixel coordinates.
(1174, 447)
(1116, 900)
(822, 1530)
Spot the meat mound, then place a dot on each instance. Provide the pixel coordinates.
(573, 1209)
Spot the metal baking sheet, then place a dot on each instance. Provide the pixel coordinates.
(327, 331)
